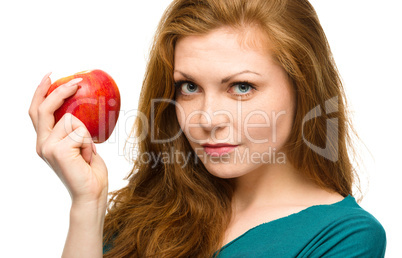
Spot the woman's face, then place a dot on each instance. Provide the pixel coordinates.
(229, 90)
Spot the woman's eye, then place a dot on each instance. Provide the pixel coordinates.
(242, 88)
(186, 87)
(189, 87)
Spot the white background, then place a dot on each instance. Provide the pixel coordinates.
(71, 36)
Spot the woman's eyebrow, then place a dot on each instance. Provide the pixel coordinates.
(224, 80)
(188, 77)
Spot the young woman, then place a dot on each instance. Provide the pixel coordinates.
(256, 77)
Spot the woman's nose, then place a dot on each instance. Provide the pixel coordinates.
(213, 114)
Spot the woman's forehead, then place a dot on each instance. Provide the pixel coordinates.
(239, 49)
(248, 37)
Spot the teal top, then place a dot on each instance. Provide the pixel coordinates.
(342, 229)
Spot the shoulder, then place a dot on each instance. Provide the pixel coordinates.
(352, 231)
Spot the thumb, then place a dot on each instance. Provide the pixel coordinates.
(98, 166)
(97, 163)
(81, 139)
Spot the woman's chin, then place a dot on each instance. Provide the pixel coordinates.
(227, 171)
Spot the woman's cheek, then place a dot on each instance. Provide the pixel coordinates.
(267, 130)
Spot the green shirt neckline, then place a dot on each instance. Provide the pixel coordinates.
(349, 197)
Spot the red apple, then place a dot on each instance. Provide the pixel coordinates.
(96, 103)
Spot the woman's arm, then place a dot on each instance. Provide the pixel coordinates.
(67, 147)
(85, 233)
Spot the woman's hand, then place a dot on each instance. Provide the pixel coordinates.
(67, 146)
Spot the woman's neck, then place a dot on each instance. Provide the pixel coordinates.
(273, 185)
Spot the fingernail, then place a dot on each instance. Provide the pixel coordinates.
(46, 76)
(94, 148)
(74, 81)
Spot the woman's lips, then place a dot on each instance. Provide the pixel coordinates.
(219, 150)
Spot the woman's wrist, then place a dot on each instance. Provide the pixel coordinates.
(88, 218)
(85, 233)
(90, 202)
(96, 207)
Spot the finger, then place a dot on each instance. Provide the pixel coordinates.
(38, 98)
(41, 90)
(66, 128)
(44, 78)
(51, 104)
(67, 124)
(98, 163)
(80, 139)
(73, 132)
